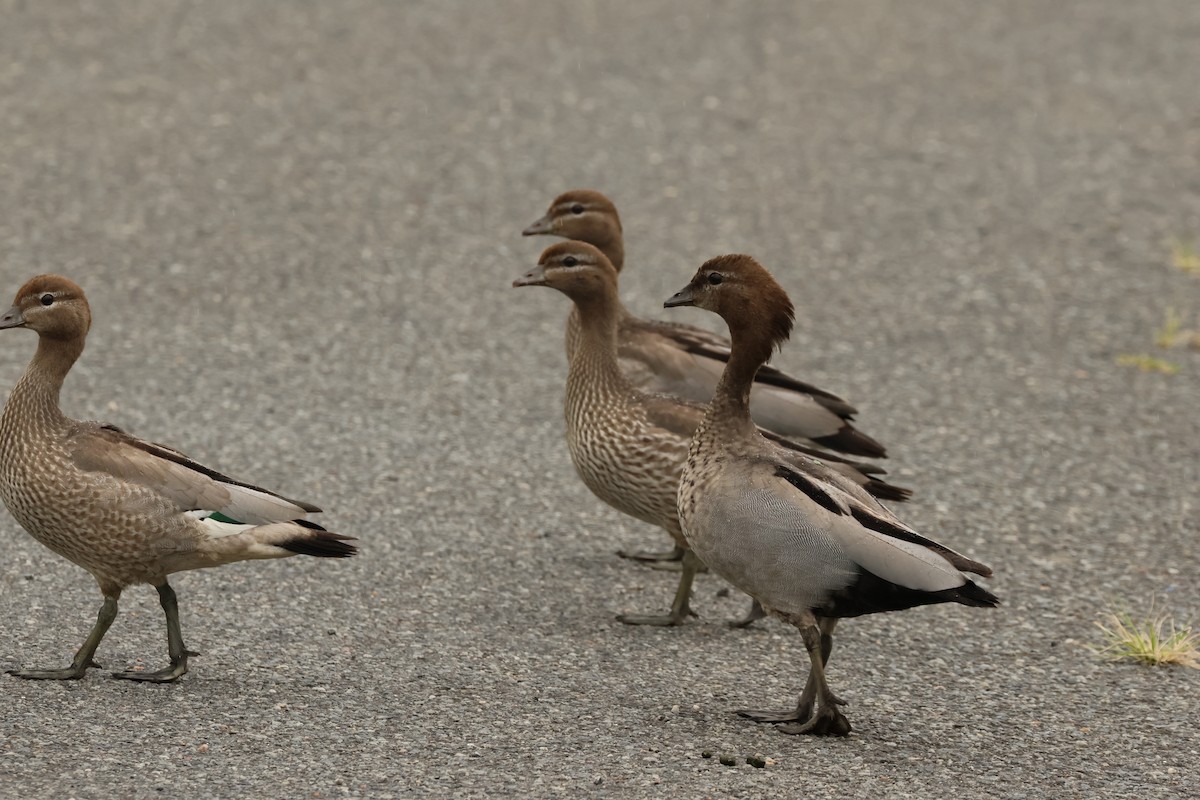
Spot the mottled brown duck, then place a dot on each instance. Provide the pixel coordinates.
(126, 510)
(809, 545)
(627, 445)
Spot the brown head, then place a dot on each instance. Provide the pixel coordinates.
(586, 216)
(577, 269)
(744, 294)
(51, 305)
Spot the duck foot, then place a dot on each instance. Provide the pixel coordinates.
(680, 607)
(176, 649)
(177, 670)
(84, 656)
(796, 715)
(829, 721)
(675, 554)
(72, 673)
(658, 620)
(755, 613)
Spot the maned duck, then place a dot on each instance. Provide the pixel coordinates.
(808, 544)
(126, 510)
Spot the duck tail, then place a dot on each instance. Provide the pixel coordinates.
(226, 542)
(316, 541)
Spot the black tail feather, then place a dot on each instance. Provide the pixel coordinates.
(853, 441)
(972, 594)
(886, 491)
(320, 543)
(871, 594)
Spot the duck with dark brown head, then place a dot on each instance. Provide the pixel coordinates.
(807, 544)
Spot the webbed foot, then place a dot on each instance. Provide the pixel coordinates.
(828, 721)
(659, 620)
(72, 673)
(177, 670)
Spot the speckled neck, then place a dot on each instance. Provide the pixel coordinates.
(596, 354)
(35, 397)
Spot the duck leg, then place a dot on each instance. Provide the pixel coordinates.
(175, 648)
(680, 607)
(818, 640)
(755, 613)
(83, 658)
(674, 554)
(828, 720)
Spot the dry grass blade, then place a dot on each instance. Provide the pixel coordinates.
(1153, 640)
(1185, 258)
(1147, 363)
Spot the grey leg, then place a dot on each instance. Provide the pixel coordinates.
(828, 720)
(83, 658)
(680, 608)
(175, 648)
(818, 639)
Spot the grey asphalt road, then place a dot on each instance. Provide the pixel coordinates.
(297, 224)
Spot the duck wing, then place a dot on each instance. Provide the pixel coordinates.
(191, 486)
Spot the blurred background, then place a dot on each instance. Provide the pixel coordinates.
(297, 224)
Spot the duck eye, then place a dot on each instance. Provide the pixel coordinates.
(715, 278)
(570, 261)
(47, 299)
(577, 209)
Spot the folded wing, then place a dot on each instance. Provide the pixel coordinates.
(189, 485)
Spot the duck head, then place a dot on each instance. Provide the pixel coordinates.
(577, 269)
(586, 216)
(51, 305)
(743, 293)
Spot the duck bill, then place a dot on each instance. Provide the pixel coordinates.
(535, 277)
(542, 226)
(12, 318)
(684, 297)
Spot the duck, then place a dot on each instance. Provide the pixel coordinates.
(627, 445)
(128, 511)
(810, 546)
(687, 361)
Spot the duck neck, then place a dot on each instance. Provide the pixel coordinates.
(731, 401)
(596, 355)
(614, 250)
(36, 393)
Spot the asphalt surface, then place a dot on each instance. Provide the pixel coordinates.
(297, 224)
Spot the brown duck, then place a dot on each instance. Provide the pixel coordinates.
(126, 510)
(809, 545)
(628, 445)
